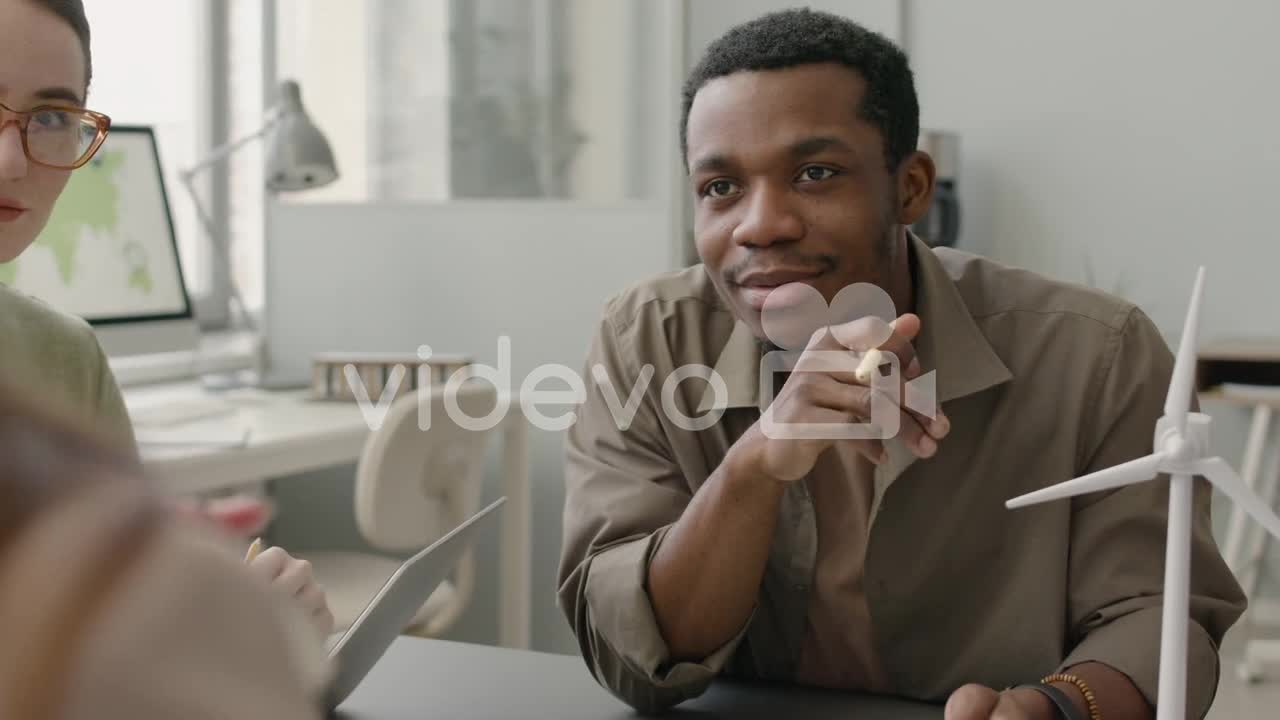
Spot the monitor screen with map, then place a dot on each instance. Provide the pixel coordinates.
(108, 253)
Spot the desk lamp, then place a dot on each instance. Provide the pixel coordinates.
(298, 157)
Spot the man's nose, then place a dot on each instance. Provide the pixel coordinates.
(770, 219)
(13, 160)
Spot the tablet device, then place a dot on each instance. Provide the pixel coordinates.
(389, 612)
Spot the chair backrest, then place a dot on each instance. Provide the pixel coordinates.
(413, 485)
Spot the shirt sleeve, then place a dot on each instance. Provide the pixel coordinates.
(109, 413)
(1118, 537)
(623, 493)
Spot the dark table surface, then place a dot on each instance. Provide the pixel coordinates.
(439, 680)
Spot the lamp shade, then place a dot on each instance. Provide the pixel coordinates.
(298, 155)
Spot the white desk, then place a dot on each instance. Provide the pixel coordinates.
(290, 434)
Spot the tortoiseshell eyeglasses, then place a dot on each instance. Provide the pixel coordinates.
(62, 137)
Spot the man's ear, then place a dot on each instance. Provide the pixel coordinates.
(915, 178)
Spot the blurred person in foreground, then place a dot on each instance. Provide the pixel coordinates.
(113, 604)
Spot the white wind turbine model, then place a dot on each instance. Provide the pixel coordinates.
(1181, 449)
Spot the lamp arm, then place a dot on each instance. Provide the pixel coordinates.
(221, 152)
(221, 248)
(221, 251)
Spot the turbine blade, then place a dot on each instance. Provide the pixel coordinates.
(1222, 476)
(1178, 401)
(1130, 473)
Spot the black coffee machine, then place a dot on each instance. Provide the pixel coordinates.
(940, 225)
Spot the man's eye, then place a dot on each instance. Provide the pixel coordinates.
(817, 173)
(719, 188)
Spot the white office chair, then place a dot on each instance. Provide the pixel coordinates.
(412, 486)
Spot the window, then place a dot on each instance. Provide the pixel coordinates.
(247, 99)
(198, 84)
(447, 100)
(437, 100)
(158, 82)
(422, 100)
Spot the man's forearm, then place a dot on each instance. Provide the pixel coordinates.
(1117, 697)
(706, 575)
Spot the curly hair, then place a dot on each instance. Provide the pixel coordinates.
(791, 38)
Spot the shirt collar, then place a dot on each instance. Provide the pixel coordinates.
(949, 343)
(739, 367)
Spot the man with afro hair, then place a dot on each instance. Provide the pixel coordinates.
(700, 540)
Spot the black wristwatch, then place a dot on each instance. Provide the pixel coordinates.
(1067, 710)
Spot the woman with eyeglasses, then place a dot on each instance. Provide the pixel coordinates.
(46, 133)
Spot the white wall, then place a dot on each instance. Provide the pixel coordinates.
(708, 19)
(455, 276)
(1144, 135)
(1143, 129)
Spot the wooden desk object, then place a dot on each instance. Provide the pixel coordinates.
(376, 370)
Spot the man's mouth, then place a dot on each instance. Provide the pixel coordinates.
(755, 286)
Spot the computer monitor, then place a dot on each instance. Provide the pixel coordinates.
(109, 253)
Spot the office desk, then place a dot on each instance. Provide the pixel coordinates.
(287, 434)
(437, 679)
(290, 434)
